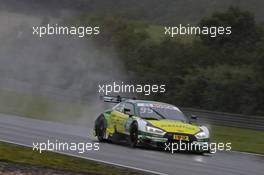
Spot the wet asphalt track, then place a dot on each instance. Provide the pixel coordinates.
(25, 131)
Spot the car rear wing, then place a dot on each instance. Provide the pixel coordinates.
(114, 99)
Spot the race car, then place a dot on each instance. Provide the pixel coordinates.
(141, 122)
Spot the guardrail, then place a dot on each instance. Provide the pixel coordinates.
(74, 95)
(227, 119)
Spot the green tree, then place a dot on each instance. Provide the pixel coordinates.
(245, 32)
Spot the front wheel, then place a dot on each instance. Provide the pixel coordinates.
(133, 138)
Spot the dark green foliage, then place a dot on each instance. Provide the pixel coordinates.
(224, 73)
(244, 30)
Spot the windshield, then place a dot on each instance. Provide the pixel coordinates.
(160, 111)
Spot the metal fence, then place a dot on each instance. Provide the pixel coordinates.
(227, 119)
(74, 95)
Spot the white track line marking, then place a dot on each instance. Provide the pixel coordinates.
(97, 160)
(248, 153)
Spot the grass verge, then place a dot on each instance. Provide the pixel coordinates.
(242, 139)
(23, 155)
(39, 107)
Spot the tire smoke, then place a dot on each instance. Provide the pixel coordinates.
(63, 70)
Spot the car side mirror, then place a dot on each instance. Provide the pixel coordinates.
(127, 111)
(194, 117)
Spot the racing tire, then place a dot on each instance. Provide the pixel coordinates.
(133, 137)
(100, 130)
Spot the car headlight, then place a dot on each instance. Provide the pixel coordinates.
(154, 130)
(201, 135)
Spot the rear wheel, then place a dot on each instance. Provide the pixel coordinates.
(101, 129)
(133, 139)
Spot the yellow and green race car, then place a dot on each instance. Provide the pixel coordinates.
(141, 122)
